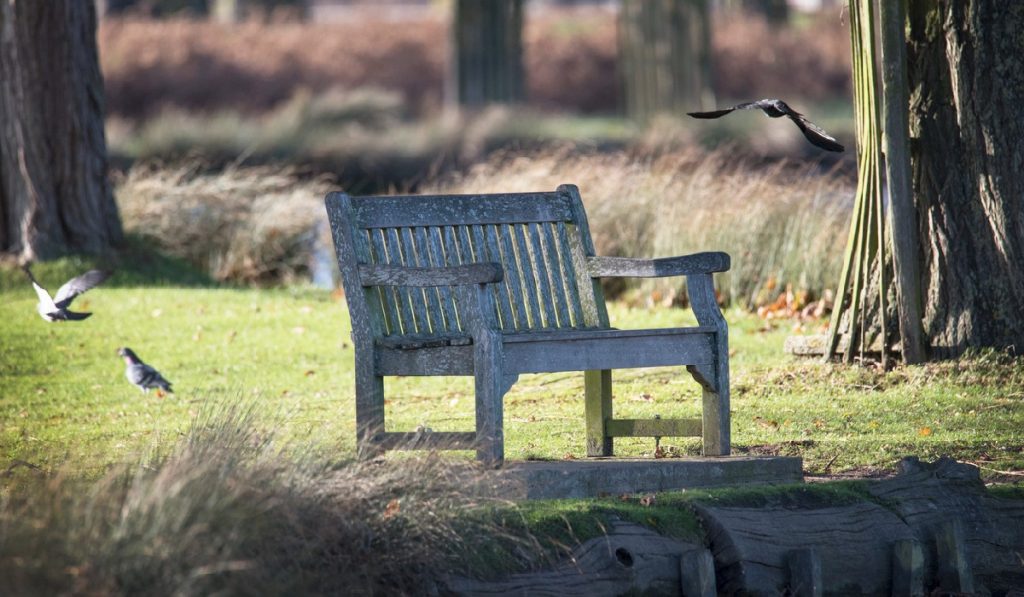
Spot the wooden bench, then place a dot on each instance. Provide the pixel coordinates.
(502, 284)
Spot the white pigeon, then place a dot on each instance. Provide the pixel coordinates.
(56, 308)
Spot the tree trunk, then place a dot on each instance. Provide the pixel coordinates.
(775, 12)
(665, 49)
(54, 193)
(487, 52)
(966, 70)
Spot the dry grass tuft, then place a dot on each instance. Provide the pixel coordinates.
(782, 225)
(230, 512)
(253, 225)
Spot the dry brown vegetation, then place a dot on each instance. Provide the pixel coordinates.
(254, 225)
(228, 511)
(783, 225)
(570, 60)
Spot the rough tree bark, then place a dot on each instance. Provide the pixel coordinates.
(54, 193)
(966, 71)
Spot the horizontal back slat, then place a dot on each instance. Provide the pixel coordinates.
(443, 210)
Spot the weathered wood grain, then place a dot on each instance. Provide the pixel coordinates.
(439, 210)
(930, 495)
(497, 285)
(752, 546)
(701, 291)
(631, 559)
(907, 568)
(685, 265)
(455, 275)
(653, 427)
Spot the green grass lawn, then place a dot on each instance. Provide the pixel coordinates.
(64, 398)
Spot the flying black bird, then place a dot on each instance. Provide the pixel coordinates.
(56, 308)
(776, 108)
(142, 375)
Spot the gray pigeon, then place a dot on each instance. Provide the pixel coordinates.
(56, 308)
(776, 108)
(142, 375)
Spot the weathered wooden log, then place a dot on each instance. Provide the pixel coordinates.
(630, 559)
(753, 546)
(907, 569)
(804, 573)
(928, 496)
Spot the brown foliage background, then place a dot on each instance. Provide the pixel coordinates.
(570, 60)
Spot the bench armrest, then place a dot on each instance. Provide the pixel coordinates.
(686, 265)
(454, 275)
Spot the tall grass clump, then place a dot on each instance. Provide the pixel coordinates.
(248, 225)
(784, 225)
(228, 511)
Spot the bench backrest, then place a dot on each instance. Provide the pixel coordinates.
(541, 239)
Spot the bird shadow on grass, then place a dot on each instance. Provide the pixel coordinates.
(135, 263)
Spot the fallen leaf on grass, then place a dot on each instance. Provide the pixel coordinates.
(568, 456)
(392, 509)
(309, 373)
(644, 398)
(924, 431)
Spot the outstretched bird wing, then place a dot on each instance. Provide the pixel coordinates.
(759, 104)
(776, 108)
(711, 114)
(77, 285)
(44, 297)
(815, 134)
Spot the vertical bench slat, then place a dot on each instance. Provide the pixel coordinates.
(541, 267)
(439, 258)
(482, 251)
(388, 298)
(591, 316)
(431, 295)
(514, 290)
(568, 274)
(416, 295)
(393, 250)
(514, 276)
(455, 254)
(396, 253)
(517, 236)
(558, 291)
(590, 288)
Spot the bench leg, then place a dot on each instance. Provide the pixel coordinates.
(716, 409)
(598, 408)
(490, 389)
(369, 407)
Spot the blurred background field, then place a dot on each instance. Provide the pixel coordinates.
(225, 136)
